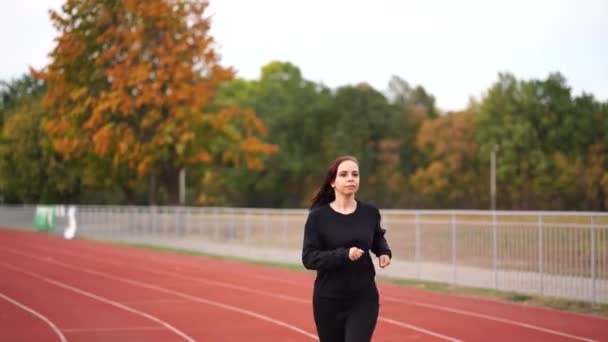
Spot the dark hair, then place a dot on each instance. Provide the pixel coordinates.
(325, 194)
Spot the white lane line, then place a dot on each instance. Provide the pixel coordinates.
(388, 298)
(175, 293)
(488, 317)
(111, 329)
(442, 308)
(424, 331)
(157, 301)
(37, 314)
(297, 300)
(493, 301)
(258, 292)
(430, 306)
(284, 281)
(101, 299)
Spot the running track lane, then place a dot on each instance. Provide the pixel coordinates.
(299, 287)
(298, 314)
(232, 286)
(73, 311)
(396, 326)
(552, 317)
(197, 316)
(15, 314)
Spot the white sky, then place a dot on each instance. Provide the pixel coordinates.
(454, 49)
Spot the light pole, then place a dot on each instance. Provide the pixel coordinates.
(493, 176)
(182, 186)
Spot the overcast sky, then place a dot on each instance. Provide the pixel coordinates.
(455, 49)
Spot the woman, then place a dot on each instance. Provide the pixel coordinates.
(340, 232)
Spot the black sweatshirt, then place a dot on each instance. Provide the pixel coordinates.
(328, 236)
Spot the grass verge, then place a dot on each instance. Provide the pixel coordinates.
(524, 299)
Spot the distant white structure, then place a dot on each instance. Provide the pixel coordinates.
(70, 230)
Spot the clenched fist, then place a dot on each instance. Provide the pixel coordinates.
(384, 260)
(355, 253)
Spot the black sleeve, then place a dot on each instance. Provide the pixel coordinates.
(313, 256)
(380, 245)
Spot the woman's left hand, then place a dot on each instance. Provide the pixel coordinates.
(384, 261)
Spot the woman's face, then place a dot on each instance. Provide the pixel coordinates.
(347, 178)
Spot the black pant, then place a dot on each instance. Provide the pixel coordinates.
(345, 320)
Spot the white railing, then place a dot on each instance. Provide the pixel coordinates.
(559, 254)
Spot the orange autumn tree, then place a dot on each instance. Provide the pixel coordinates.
(134, 82)
(453, 175)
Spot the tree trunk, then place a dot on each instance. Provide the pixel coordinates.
(153, 189)
(128, 192)
(170, 180)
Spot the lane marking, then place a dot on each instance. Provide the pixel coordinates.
(175, 293)
(101, 299)
(388, 298)
(157, 301)
(90, 330)
(258, 292)
(488, 317)
(37, 314)
(424, 331)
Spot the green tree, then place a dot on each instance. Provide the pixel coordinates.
(133, 82)
(546, 139)
(363, 123)
(451, 179)
(296, 112)
(30, 170)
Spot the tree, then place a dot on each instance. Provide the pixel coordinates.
(452, 176)
(403, 95)
(296, 112)
(13, 91)
(30, 170)
(363, 123)
(547, 138)
(133, 82)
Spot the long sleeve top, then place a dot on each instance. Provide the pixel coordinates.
(328, 236)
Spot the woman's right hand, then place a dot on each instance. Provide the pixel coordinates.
(355, 253)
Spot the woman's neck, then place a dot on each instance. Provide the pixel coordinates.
(343, 204)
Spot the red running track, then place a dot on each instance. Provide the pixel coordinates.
(58, 290)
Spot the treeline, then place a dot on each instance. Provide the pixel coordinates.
(135, 94)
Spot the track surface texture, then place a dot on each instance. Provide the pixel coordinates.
(53, 289)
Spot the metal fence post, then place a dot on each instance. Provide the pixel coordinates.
(593, 280)
(129, 211)
(454, 247)
(109, 211)
(267, 241)
(187, 223)
(495, 249)
(540, 253)
(153, 220)
(417, 222)
(216, 224)
(177, 220)
(232, 231)
(161, 211)
(284, 216)
(247, 225)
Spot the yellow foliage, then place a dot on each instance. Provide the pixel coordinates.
(123, 86)
(102, 140)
